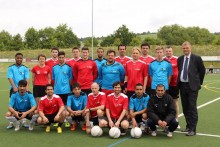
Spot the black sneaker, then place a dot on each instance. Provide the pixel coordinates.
(123, 132)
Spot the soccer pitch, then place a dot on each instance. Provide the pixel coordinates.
(208, 130)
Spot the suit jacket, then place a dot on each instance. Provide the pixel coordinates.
(196, 71)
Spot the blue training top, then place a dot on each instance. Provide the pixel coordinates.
(98, 64)
(77, 103)
(18, 73)
(62, 74)
(22, 103)
(137, 104)
(160, 71)
(110, 74)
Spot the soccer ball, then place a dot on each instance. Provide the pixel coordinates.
(136, 132)
(114, 132)
(96, 131)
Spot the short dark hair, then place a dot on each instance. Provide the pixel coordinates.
(61, 53)
(160, 85)
(75, 48)
(22, 83)
(138, 84)
(49, 85)
(110, 51)
(100, 49)
(41, 55)
(55, 48)
(145, 44)
(116, 84)
(76, 85)
(18, 54)
(121, 45)
(85, 48)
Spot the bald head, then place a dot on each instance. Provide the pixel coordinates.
(95, 88)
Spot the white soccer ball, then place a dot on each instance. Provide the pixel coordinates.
(136, 132)
(114, 132)
(96, 131)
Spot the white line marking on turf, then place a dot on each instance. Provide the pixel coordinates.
(203, 105)
(212, 87)
(200, 134)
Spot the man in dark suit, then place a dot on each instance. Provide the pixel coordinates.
(190, 78)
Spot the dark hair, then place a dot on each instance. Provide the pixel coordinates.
(160, 85)
(110, 51)
(100, 49)
(121, 45)
(139, 84)
(41, 55)
(22, 83)
(61, 53)
(85, 48)
(18, 54)
(116, 84)
(76, 85)
(55, 48)
(75, 48)
(49, 85)
(145, 44)
(168, 46)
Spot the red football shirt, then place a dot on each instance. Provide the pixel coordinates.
(41, 75)
(50, 106)
(147, 60)
(51, 63)
(85, 72)
(123, 60)
(95, 101)
(116, 104)
(173, 61)
(135, 71)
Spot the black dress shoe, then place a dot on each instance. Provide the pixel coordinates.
(186, 130)
(191, 133)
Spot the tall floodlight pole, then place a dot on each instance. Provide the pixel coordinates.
(92, 29)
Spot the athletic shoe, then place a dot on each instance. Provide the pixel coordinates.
(17, 127)
(31, 127)
(178, 127)
(10, 125)
(153, 133)
(59, 130)
(123, 132)
(24, 123)
(84, 127)
(142, 126)
(47, 130)
(169, 134)
(73, 127)
(67, 125)
(55, 125)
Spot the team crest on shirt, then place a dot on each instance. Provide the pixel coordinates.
(156, 105)
(38, 72)
(165, 105)
(113, 71)
(90, 67)
(64, 72)
(118, 105)
(163, 69)
(21, 73)
(137, 69)
(45, 72)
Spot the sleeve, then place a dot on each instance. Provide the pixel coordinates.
(131, 104)
(60, 102)
(150, 111)
(122, 72)
(170, 70)
(150, 70)
(53, 75)
(103, 100)
(145, 70)
(27, 73)
(147, 100)
(33, 70)
(95, 71)
(75, 71)
(41, 106)
(70, 73)
(88, 103)
(126, 70)
(85, 101)
(32, 100)
(107, 102)
(68, 103)
(125, 105)
(171, 110)
(100, 73)
(201, 69)
(9, 73)
(12, 101)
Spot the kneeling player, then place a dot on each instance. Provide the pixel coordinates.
(138, 107)
(21, 105)
(51, 109)
(95, 107)
(76, 105)
(116, 108)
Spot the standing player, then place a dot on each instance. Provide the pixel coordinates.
(95, 108)
(51, 109)
(138, 106)
(21, 105)
(99, 61)
(145, 49)
(85, 71)
(17, 72)
(116, 108)
(76, 105)
(110, 72)
(160, 71)
(122, 58)
(173, 89)
(40, 77)
(136, 72)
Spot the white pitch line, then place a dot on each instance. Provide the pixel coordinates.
(200, 134)
(212, 87)
(203, 105)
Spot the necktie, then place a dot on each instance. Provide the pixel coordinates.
(185, 69)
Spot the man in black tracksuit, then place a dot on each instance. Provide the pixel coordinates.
(161, 112)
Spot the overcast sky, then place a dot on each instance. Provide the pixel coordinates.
(16, 16)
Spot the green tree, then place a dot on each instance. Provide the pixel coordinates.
(117, 42)
(16, 43)
(5, 40)
(47, 38)
(136, 41)
(153, 41)
(124, 35)
(107, 41)
(88, 41)
(32, 38)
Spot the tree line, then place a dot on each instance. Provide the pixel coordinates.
(63, 37)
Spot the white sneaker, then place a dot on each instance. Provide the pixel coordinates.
(142, 126)
(10, 125)
(169, 134)
(31, 127)
(153, 133)
(17, 127)
(178, 127)
(24, 123)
